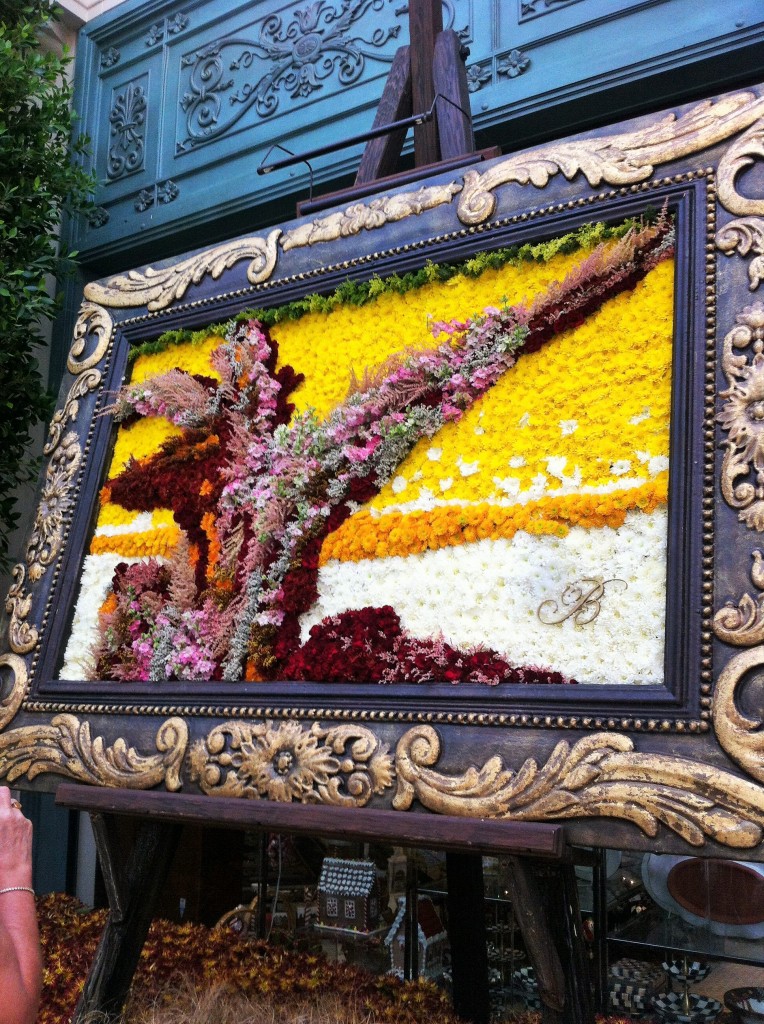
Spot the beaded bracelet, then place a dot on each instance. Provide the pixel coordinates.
(17, 888)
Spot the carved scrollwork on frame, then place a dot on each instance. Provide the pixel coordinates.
(11, 703)
(738, 156)
(743, 236)
(158, 289)
(601, 775)
(343, 765)
(64, 453)
(742, 416)
(368, 216)
(55, 502)
(623, 159)
(740, 736)
(93, 322)
(743, 626)
(45, 540)
(87, 381)
(67, 747)
(22, 636)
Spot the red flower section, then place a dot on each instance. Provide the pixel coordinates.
(370, 645)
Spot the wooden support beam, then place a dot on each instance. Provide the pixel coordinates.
(545, 900)
(453, 107)
(425, 22)
(112, 866)
(120, 947)
(380, 156)
(435, 831)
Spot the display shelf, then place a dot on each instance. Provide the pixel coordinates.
(655, 929)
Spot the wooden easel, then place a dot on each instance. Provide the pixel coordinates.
(427, 74)
(543, 886)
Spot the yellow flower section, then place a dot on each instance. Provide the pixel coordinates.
(112, 514)
(330, 348)
(589, 410)
(591, 407)
(157, 542)
(193, 357)
(367, 536)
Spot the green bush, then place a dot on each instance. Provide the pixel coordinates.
(38, 181)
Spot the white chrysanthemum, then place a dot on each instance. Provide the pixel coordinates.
(400, 483)
(568, 427)
(555, 464)
(489, 593)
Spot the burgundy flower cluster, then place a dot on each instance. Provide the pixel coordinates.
(370, 645)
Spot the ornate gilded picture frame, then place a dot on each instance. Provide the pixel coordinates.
(591, 424)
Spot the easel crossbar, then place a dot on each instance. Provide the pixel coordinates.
(444, 832)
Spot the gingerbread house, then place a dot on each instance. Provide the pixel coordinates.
(431, 935)
(348, 895)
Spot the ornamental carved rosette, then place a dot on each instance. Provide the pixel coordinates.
(344, 765)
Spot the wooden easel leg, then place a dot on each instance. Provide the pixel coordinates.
(133, 893)
(467, 936)
(381, 155)
(545, 899)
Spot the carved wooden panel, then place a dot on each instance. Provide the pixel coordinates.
(184, 100)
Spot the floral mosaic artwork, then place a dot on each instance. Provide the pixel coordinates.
(461, 479)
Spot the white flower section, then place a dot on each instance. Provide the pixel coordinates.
(517, 462)
(568, 427)
(468, 468)
(434, 454)
(525, 420)
(555, 464)
(640, 417)
(95, 581)
(489, 593)
(400, 483)
(623, 466)
(511, 486)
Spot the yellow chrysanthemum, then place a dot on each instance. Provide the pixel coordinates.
(332, 348)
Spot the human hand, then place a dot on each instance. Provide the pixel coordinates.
(15, 843)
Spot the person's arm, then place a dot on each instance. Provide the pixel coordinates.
(20, 962)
